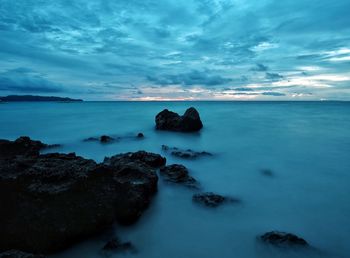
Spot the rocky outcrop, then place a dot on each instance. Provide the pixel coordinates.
(210, 199)
(282, 239)
(178, 174)
(188, 122)
(185, 154)
(19, 254)
(54, 200)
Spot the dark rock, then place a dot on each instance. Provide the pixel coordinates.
(140, 135)
(212, 200)
(267, 172)
(106, 138)
(19, 254)
(189, 122)
(282, 239)
(91, 139)
(115, 245)
(48, 202)
(178, 174)
(185, 154)
(22, 146)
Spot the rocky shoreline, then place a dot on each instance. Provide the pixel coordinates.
(52, 201)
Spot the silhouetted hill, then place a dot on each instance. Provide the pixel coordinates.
(35, 98)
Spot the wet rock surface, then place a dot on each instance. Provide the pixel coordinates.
(19, 254)
(185, 154)
(210, 199)
(115, 245)
(178, 174)
(283, 239)
(54, 200)
(189, 122)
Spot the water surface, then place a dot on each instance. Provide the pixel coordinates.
(306, 145)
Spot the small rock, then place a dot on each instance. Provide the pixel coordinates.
(106, 138)
(178, 174)
(140, 135)
(211, 199)
(185, 154)
(171, 121)
(116, 245)
(282, 239)
(267, 172)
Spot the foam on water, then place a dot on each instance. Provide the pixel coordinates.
(306, 145)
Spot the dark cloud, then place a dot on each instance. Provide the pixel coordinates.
(275, 94)
(24, 80)
(260, 68)
(192, 78)
(274, 76)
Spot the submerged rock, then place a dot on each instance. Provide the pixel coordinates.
(282, 239)
(267, 172)
(106, 138)
(178, 174)
(211, 199)
(54, 200)
(188, 122)
(115, 245)
(19, 254)
(185, 154)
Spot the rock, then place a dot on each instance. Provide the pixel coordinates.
(115, 245)
(189, 122)
(267, 172)
(102, 139)
(185, 154)
(19, 254)
(140, 135)
(106, 138)
(22, 146)
(212, 200)
(55, 200)
(282, 239)
(178, 174)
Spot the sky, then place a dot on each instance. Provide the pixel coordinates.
(176, 49)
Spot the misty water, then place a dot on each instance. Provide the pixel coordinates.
(306, 146)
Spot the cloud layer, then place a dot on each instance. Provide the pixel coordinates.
(193, 49)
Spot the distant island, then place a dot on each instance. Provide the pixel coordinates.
(12, 98)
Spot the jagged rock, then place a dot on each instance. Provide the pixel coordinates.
(211, 199)
(188, 122)
(22, 146)
(178, 174)
(19, 254)
(115, 245)
(51, 201)
(185, 154)
(282, 239)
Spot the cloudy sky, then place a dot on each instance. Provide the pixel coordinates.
(183, 49)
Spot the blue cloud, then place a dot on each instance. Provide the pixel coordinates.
(99, 47)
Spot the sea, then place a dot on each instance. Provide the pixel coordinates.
(287, 162)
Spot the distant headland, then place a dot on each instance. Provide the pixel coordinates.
(13, 98)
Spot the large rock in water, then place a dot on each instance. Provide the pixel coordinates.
(49, 202)
(188, 122)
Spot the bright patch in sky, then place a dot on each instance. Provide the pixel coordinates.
(176, 50)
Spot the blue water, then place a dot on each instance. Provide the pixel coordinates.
(305, 144)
